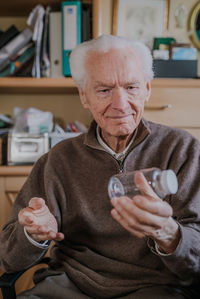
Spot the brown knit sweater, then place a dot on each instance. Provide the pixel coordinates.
(99, 255)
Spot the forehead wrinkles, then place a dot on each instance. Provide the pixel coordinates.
(109, 65)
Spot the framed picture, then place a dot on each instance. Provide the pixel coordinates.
(140, 19)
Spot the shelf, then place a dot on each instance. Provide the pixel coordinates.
(37, 86)
(67, 85)
(15, 170)
(24, 7)
(175, 83)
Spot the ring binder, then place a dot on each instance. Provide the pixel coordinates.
(71, 31)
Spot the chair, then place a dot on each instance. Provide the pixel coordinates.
(7, 280)
(7, 283)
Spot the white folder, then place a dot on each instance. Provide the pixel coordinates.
(55, 42)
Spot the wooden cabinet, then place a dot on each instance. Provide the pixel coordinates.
(175, 102)
(11, 180)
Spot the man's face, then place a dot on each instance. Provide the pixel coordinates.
(115, 91)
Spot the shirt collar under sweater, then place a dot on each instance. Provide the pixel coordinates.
(118, 156)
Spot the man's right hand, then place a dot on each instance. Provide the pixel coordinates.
(39, 223)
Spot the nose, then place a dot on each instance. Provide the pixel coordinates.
(119, 99)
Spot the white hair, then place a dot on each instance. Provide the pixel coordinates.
(103, 44)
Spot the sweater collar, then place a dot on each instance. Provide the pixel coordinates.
(142, 131)
(117, 156)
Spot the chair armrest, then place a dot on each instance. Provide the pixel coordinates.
(7, 280)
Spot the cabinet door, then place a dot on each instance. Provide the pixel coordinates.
(9, 187)
(176, 107)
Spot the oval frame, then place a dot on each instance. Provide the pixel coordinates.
(192, 25)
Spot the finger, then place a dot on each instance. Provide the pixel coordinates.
(136, 229)
(161, 208)
(144, 187)
(59, 237)
(36, 203)
(26, 217)
(51, 233)
(48, 236)
(123, 222)
(134, 216)
(37, 229)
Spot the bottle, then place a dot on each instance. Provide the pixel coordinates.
(163, 182)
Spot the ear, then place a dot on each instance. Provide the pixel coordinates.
(83, 98)
(148, 91)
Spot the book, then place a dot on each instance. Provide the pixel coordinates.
(55, 44)
(26, 69)
(10, 50)
(15, 65)
(71, 31)
(36, 21)
(8, 35)
(45, 60)
(86, 27)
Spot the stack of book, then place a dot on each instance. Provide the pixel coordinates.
(16, 52)
(44, 50)
(67, 28)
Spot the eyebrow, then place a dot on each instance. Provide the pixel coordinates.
(102, 84)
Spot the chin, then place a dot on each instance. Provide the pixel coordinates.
(122, 132)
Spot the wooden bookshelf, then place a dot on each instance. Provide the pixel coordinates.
(176, 82)
(24, 7)
(16, 85)
(21, 170)
(11, 85)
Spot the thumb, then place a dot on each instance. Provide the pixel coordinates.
(143, 186)
(36, 203)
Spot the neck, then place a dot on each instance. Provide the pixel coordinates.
(116, 143)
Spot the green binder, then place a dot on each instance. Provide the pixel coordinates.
(71, 31)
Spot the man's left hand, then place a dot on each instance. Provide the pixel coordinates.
(147, 215)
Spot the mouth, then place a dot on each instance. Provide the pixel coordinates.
(121, 116)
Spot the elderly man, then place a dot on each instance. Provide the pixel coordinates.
(103, 248)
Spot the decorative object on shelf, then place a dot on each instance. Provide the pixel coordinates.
(194, 25)
(161, 54)
(177, 45)
(180, 16)
(162, 43)
(161, 47)
(140, 19)
(179, 51)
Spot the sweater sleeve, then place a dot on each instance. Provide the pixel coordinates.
(185, 261)
(13, 243)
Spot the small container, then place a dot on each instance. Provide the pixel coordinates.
(163, 182)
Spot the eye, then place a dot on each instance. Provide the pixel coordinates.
(132, 88)
(104, 91)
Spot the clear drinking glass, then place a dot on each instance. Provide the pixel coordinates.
(163, 182)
